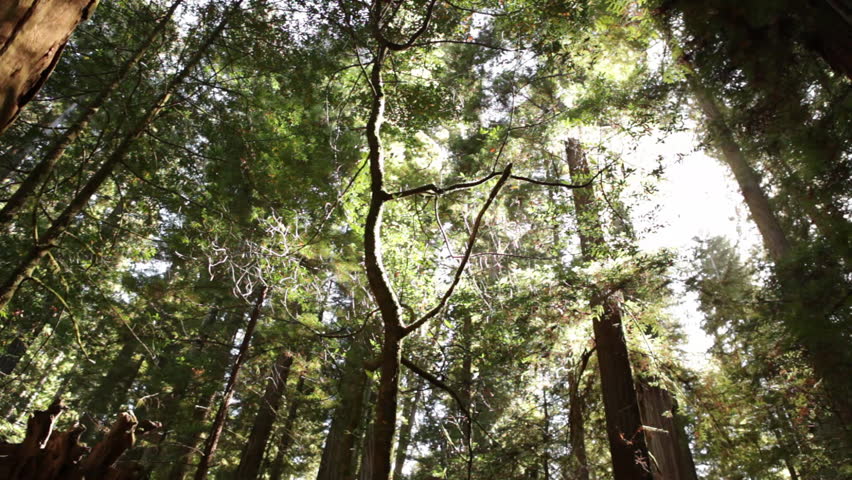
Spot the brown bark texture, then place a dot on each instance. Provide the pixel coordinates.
(47, 455)
(337, 461)
(623, 423)
(58, 146)
(212, 443)
(671, 457)
(33, 34)
(265, 419)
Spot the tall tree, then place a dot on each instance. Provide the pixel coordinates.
(626, 436)
(33, 34)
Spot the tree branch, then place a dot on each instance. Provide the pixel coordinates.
(436, 190)
(471, 240)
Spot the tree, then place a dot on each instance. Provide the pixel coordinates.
(34, 34)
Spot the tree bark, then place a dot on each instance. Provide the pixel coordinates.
(58, 146)
(33, 34)
(670, 460)
(624, 426)
(337, 461)
(50, 238)
(222, 413)
(287, 437)
(576, 421)
(409, 415)
(747, 178)
(270, 403)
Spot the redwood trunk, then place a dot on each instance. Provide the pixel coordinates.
(270, 403)
(33, 34)
(624, 426)
(222, 413)
(338, 454)
(747, 178)
(671, 460)
(58, 147)
(287, 436)
(49, 239)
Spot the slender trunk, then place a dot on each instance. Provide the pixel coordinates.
(14, 159)
(222, 413)
(50, 238)
(337, 455)
(386, 402)
(747, 178)
(58, 147)
(113, 388)
(576, 421)
(287, 437)
(409, 415)
(365, 470)
(270, 403)
(33, 34)
(624, 426)
(671, 461)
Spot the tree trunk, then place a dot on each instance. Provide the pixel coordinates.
(222, 413)
(50, 238)
(624, 425)
(337, 456)
(747, 178)
(111, 391)
(33, 34)
(576, 421)
(814, 328)
(287, 437)
(365, 471)
(270, 403)
(409, 415)
(58, 146)
(670, 460)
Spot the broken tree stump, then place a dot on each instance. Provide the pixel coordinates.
(45, 455)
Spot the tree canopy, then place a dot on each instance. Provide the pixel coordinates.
(259, 239)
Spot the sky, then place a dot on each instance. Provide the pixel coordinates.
(697, 197)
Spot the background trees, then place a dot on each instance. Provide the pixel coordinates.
(395, 177)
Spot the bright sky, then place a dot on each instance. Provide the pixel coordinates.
(697, 197)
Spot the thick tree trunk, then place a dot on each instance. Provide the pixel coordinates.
(337, 461)
(33, 34)
(58, 146)
(624, 426)
(49, 239)
(670, 460)
(222, 413)
(287, 437)
(270, 403)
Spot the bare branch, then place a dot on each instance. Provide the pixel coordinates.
(397, 47)
(471, 240)
(436, 190)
